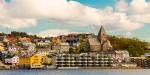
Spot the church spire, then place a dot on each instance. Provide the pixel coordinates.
(102, 36)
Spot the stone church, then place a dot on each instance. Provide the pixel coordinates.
(100, 43)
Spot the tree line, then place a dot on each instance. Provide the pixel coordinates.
(134, 46)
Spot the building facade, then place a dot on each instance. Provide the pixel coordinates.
(140, 61)
(12, 61)
(83, 60)
(122, 56)
(64, 47)
(34, 61)
(100, 43)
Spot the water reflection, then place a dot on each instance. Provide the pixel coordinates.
(75, 72)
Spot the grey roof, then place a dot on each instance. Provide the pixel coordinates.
(101, 34)
(93, 41)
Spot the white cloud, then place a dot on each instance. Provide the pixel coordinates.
(141, 18)
(13, 22)
(56, 10)
(139, 6)
(57, 32)
(137, 13)
(53, 32)
(122, 6)
(125, 16)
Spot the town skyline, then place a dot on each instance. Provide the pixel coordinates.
(18, 50)
(134, 23)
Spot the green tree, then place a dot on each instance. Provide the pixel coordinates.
(133, 45)
(71, 50)
(84, 45)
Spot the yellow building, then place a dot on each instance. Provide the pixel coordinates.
(34, 61)
(46, 60)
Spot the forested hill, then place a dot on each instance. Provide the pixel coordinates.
(135, 46)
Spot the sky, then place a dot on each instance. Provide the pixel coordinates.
(128, 18)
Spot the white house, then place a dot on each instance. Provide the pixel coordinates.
(122, 55)
(11, 48)
(14, 60)
(64, 47)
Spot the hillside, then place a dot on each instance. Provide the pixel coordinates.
(135, 46)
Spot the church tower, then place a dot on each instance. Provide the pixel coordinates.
(103, 39)
(102, 36)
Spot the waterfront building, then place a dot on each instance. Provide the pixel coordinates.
(140, 61)
(147, 63)
(34, 61)
(12, 61)
(122, 56)
(147, 55)
(83, 60)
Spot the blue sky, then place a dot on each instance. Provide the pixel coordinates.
(142, 31)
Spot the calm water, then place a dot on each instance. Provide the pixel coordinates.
(75, 72)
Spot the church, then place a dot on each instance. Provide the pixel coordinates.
(100, 43)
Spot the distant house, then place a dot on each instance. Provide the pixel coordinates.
(12, 48)
(43, 44)
(13, 61)
(24, 39)
(43, 52)
(36, 40)
(64, 47)
(9, 38)
(2, 38)
(27, 43)
(55, 45)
